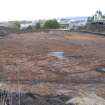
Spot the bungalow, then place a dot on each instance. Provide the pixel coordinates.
(26, 24)
(71, 23)
(64, 23)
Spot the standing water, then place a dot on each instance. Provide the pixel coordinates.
(57, 54)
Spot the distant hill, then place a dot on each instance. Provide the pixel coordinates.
(84, 18)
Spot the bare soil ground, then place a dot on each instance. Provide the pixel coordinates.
(24, 57)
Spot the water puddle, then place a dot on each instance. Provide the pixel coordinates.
(57, 54)
(100, 69)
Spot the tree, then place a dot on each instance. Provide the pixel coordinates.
(99, 12)
(95, 17)
(51, 24)
(90, 20)
(17, 24)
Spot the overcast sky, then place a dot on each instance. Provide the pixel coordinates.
(45, 9)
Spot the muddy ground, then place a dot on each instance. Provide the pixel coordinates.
(24, 60)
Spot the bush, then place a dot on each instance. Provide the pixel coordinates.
(51, 24)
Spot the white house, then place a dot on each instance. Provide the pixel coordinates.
(25, 25)
(71, 23)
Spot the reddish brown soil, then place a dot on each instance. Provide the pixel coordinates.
(25, 57)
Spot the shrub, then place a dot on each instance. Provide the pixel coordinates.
(51, 24)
